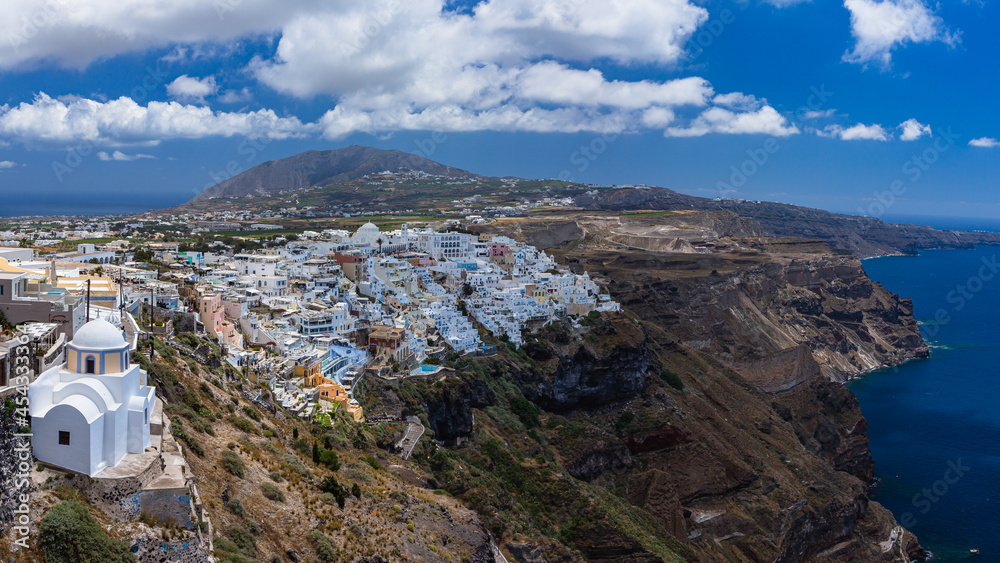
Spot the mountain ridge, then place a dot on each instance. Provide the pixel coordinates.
(321, 168)
(863, 236)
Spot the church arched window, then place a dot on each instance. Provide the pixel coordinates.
(90, 365)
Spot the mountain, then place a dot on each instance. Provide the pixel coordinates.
(322, 168)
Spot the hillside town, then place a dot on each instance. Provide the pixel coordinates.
(306, 317)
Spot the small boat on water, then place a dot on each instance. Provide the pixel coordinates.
(974, 552)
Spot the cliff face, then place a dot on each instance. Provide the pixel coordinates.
(706, 422)
(751, 301)
(609, 366)
(763, 456)
(450, 412)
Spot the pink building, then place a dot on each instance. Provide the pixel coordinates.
(212, 313)
(498, 248)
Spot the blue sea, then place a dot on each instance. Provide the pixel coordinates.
(934, 424)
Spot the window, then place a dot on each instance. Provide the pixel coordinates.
(145, 411)
(63, 438)
(90, 365)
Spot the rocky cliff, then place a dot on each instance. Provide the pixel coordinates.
(713, 406)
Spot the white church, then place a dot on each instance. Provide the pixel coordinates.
(88, 414)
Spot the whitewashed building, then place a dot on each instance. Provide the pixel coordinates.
(89, 413)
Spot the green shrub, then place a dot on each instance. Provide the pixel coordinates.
(179, 433)
(272, 492)
(235, 506)
(232, 463)
(296, 465)
(526, 411)
(505, 466)
(243, 539)
(332, 486)
(326, 550)
(244, 425)
(189, 340)
(672, 379)
(330, 459)
(69, 534)
(569, 530)
(624, 421)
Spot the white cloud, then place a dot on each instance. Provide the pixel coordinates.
(738, 101)
(859, 132)
(657, 118)
(818, 114)
(120, 156)
(188, 88)
(416, 50)
(342, 121)
(984, 142)
(123, 122)
(235, 96)
(75, 33)
(913, 130)
(765, 121)
(505, 65)
(550, 82)
(879, 26)
(4, 164)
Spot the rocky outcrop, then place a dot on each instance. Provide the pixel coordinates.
(450, 413)
(782, 371)
(598, 457)
(608, 365)
(667, 437)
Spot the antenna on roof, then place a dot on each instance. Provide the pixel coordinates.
(88, 301)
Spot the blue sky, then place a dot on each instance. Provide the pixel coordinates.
(108, 105)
